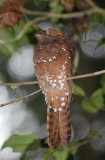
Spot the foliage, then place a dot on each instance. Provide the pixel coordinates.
(95, 102)
(78, 91)
(22, 143)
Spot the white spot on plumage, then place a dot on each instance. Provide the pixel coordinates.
(60, 81)
(63, 104)
(65, 62)
(56, 97)
(63, 67)
(44, 61)
(63, 49)
(67, 93)
(52, 99)
(59, 77)
(53, 85)
(68, 57)
(38, 61)
(62, 99)
(50, 60)
(59, 109)
(54, 57)
(49, 106)
(54, 80)
(55, 109)
(61, 85)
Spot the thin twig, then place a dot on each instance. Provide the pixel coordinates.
(86, 141)
(61, 15)
(19, 99)
(19, 84)
(94, 10)
(89, 40)
(46, 15)
(27, 25)
(68, 78)
(87, 75)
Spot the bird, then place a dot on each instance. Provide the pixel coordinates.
(11, 12)
(53, 59)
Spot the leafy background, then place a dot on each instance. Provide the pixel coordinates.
(23, 125)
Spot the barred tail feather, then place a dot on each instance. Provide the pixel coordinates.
(53, 130)
(58, 127)
(65, 125)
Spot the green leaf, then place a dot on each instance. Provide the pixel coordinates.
(47, 154)
(18, 102)
(73, 147)
(101, 42)
(2, 1)
(78, 90)
(13, 87)
(88, 106)
(59, 8)
(76, 62)
(53, 3)
(58, 154)
(56, 7)
(95, 133)
(97, 98)
(103, 83)
(61, 155)
(22, 143)
(54, 20)
(95, 102)
(98, 19)
(7, 34)
(98, 92)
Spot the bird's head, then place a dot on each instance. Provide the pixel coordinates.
(48, 35)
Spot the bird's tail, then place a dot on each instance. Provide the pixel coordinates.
(58, 125)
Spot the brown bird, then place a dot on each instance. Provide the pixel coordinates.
(53, 58)
(11, 12)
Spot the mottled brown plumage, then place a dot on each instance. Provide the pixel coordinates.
(53, 58)
(11, 12)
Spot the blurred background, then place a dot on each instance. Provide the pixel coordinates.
(16, 65)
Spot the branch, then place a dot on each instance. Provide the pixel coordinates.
(87, 140)
(87, 75)
(68, 78)
(61, 15)
(19, 99)
(46, 15)
(19, 84)
(27, 25)
(94, 10)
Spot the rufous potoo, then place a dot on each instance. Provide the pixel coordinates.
(53, 58)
